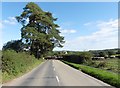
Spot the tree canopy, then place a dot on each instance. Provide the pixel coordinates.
(39, 32)
(14, 45)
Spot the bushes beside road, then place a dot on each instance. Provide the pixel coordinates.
(106, 76)
(15, 64)
(80, 57)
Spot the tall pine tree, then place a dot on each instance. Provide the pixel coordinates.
(39, 32)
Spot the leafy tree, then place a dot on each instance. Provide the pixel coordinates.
(110, 52)
(95, 53)
(40, 34)
(102, 54)
(14, 45)
(118, 51)
(86, 56)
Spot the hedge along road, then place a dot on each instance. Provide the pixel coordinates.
(55, 73)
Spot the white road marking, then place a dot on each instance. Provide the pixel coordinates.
(54, 69)
(57, 79)
(56, 75)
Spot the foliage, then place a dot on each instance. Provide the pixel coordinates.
(13, 64)
(118, 52)
(101, 64)
(40, 34)
(106, 76)
(86, 56)
(108, 64)
(102, 54)
(111, 53)
(15, 45)
(106, 52)
(81, 57)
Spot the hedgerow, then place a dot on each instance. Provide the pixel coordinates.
(14, 64)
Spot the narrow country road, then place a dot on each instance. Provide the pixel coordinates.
(55, 73)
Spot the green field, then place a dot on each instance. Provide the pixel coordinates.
(110, 64)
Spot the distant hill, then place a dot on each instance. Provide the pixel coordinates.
(116, 50)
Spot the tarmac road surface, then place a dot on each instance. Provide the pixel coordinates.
(55, 73)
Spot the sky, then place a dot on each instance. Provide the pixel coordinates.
(85, 25)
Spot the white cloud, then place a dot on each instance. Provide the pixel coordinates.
(87, 24)
(105, 37)
(65, 32)
(10, 20)
(3, 23)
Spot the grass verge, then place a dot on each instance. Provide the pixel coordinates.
(106, 76)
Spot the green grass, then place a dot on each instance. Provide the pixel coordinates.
(106, 76)
(111, 64)
(16, 64)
